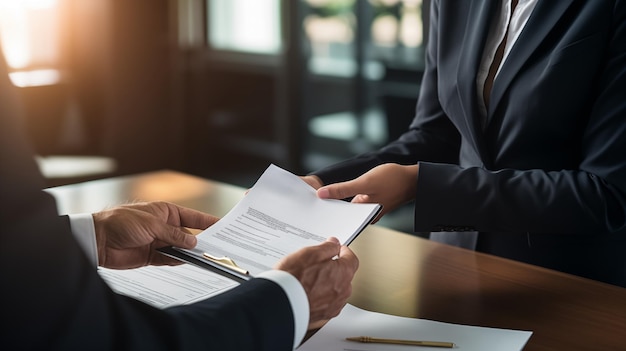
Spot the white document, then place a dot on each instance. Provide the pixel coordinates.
(279, 215)
(353, 321)
(165, 286)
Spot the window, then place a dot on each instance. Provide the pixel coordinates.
(252, 26)
(30, 35)
(393, 34)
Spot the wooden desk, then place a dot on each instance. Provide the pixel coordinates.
(408, 276)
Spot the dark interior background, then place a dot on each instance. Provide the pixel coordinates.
(143, 84)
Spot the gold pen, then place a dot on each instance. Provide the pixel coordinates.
(369, 339)
(226, 262)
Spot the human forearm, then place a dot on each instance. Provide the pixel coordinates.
(253, 316)
(452, 198)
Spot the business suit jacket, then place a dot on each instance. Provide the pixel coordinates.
(52, 297)
(544, 179)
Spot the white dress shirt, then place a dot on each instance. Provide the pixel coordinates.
(84, 232)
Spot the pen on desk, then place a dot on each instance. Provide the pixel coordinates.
(369, 339)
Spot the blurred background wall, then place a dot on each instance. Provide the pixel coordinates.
(216, 88)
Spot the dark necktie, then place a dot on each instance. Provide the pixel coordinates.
(497, 59)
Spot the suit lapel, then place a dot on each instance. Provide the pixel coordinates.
(543, 18)
(479, 19)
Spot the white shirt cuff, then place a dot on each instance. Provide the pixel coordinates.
(297, 297)
(84, 232)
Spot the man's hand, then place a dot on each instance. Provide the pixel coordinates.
(128, 235)
(390, 185)
(325, 271)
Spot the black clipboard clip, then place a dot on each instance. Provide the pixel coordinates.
(225, 267)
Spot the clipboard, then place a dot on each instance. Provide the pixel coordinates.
(226, 269)
(277, 201)
(221, 268)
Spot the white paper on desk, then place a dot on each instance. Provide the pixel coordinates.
(353, 321)
(279, 215)
(165, 286)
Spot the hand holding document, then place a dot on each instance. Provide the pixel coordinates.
(279, 215)
(382, 327)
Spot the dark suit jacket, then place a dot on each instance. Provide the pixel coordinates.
(545, 181)
(52, 297)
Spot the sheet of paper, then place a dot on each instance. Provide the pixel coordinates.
(279, 215)
(165, 286)
(353, 321)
